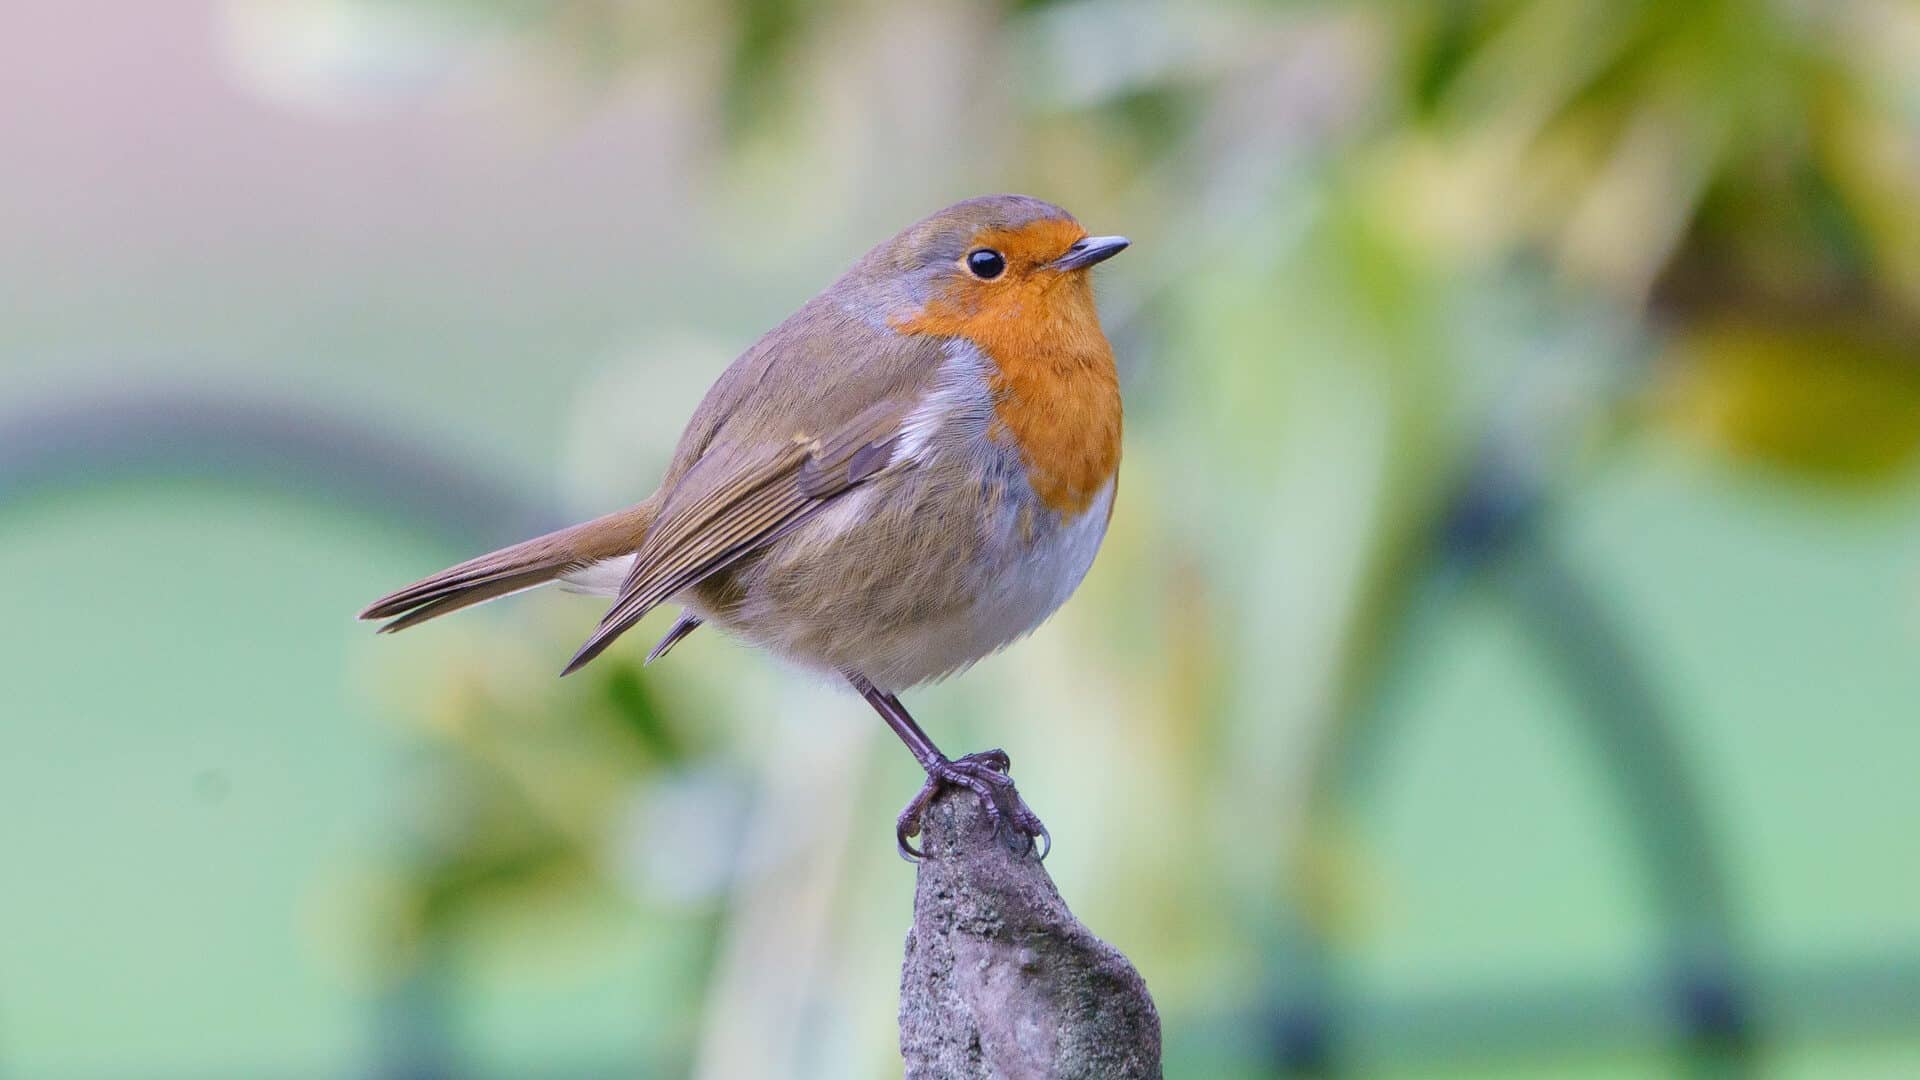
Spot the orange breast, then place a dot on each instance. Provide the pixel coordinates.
(1057, 394)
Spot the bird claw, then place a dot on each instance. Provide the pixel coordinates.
(986, 775)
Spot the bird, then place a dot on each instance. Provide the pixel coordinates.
(912, 471)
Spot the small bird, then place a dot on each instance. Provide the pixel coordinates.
(912, 471)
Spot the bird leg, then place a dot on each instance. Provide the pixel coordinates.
(985, 774)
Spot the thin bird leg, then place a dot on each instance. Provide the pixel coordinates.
(985, 774)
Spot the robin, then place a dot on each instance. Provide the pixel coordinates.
(912, 471)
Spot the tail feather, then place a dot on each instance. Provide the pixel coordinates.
(469, 595)
(513, 569)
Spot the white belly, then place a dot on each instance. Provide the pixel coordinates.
(1037, 578)
(1019, 586)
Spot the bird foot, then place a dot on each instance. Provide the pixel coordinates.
(985, 774)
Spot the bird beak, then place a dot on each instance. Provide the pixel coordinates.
(1090, 250)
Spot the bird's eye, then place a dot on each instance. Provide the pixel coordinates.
(986, 263)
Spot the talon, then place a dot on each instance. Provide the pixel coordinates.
(984, 774)
(908, 823)
(995, 759)
(905, 847)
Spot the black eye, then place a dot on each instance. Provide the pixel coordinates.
(986, 263)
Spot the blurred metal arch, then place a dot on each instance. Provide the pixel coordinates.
(158, 432)
(1496, 521)
(291, 450)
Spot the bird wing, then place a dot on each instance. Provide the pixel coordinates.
(736, 500)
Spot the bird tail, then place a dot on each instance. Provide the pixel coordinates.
(517, 568)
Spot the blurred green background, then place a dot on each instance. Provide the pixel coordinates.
(1504, 661)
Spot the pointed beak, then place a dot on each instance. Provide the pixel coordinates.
(1093, 249)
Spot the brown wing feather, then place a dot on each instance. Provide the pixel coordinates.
(686, 624)
(754, 503)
